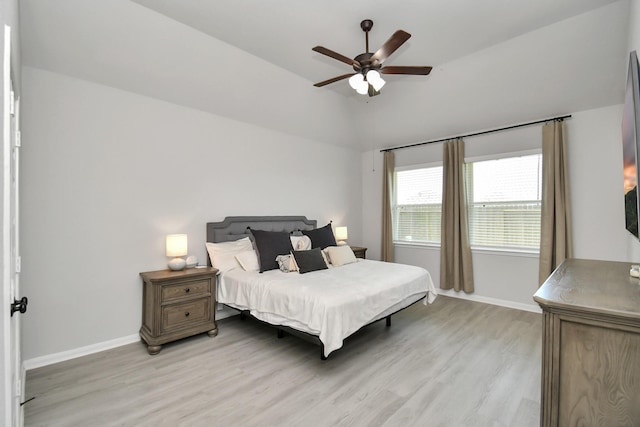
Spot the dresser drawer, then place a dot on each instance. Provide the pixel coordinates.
(182, 315)
(191, 289)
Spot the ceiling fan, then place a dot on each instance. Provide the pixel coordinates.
(368, 66)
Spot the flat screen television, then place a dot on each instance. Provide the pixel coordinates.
(630, 149)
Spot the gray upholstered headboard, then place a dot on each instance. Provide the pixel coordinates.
(236, 227)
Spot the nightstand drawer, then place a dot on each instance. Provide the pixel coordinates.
(177, 316)
(191, 289)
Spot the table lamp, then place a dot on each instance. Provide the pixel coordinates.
(341, 235)
(176, 246)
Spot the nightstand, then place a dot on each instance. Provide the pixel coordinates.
(359, 251)
(177, 304)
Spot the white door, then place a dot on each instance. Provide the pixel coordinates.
(18, 373)
(10, 241)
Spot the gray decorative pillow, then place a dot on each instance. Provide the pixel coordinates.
(321, 237)
(309, 260)
(270, 244)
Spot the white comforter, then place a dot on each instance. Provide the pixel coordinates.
(331, 304)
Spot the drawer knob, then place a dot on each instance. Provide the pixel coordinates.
(186, 314)
(187, 290)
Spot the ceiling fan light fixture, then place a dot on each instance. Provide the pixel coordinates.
(374, 79)
(368, 65)
(356, 81)
(363, 89)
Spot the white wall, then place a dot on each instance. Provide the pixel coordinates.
(595, 168)
(597, 197)
(122, 44)
(107, 174)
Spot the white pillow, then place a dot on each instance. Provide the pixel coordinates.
(294, 241)
(340, 255)
(300, 243)
(223, 255)
(325, 255)
(248, 260)
(287, 263)
(304, 244)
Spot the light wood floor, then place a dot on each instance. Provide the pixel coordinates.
(454, 363)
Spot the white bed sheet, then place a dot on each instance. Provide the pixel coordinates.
(332, 303)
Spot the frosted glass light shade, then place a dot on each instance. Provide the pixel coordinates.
(341, 234)
(176, 245)
(374, 79)
(356, 81)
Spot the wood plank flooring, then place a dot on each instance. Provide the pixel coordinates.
(454, 363)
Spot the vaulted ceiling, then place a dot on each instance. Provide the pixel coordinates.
(495, 62)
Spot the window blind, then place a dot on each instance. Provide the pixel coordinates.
(418, 206)
(505, 202)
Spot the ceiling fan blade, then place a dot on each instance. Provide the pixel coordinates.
(419, 71)
(336, 55)
(335, 79)
(395, 41)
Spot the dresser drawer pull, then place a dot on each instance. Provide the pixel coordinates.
(187, 290)
(186, 314)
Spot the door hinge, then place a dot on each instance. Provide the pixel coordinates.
(18, 264)
(19, 388)
(18, 139)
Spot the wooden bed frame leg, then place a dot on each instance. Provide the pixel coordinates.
(388, 321)
(280, 333)
(243, 315)
(322, 356)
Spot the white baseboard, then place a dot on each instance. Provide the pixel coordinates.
(50, 359)
(488, 300)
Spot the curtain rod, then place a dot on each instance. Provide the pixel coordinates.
(478, 133)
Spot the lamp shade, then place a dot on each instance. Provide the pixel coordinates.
(356, 81)
(341, 233)
(374, 79)
(176, 245)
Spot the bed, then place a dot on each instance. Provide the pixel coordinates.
(324, 306)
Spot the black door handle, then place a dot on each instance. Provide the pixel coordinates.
(20, 306)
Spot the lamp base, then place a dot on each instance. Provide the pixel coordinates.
(341, 242)
(177, 264)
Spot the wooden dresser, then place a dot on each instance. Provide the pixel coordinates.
(177, 304)
(590, 345)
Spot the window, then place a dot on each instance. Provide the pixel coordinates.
(418, 206)
(504, 203)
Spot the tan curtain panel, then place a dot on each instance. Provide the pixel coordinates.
(387, 200)
(555, 232)
(456, 269)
